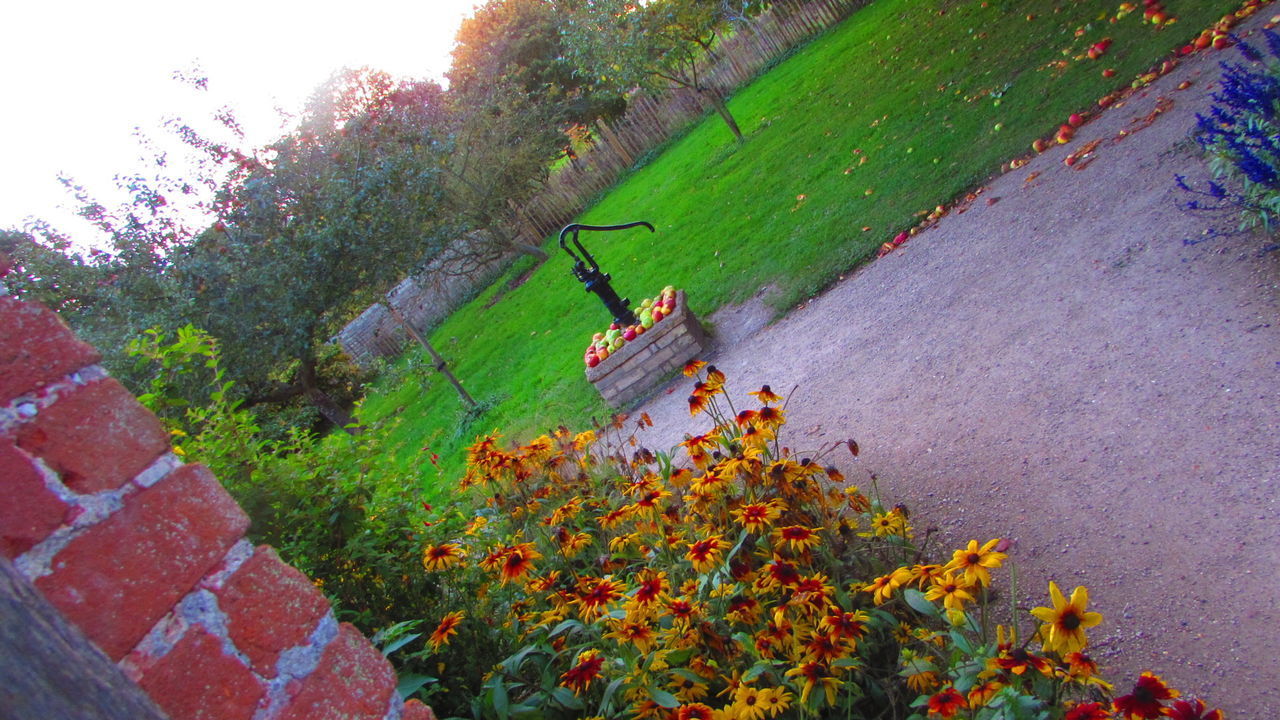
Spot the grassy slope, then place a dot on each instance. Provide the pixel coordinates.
(909, 83)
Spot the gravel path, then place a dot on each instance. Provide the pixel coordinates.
(1059, 368)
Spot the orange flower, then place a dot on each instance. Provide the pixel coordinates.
(440, 557)
(974, 562)
(924, 574)
(766, 396)
(594, 596)
(882, 588)
(951, 591)
(692, 367)
(571, 543)
(579, 677)
(782, 572)
(846, 624)
(1018, 661)
(652, 586)
(694, 711)
(755, 517)
(613, 518)
(706, 554)
(826, 647)
(447, 628)
(798, 537)
(743, 610)
(1192, 709)
(697, 403)
(715, 378)
(1088, 711)
(515, 561)
(983, 692)
(633, 632)
(815, 674)
(946, 703)
(1147, 699)
(705, 441)
(770, 417)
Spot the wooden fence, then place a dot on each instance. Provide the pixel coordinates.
(651, 120)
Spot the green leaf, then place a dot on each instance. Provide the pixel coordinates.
(919, 603)
(961, 641)
(756, 671)
(398, 643)
(689, 675)
(663, 698)
(565, 697)
(679, 657)
(410, 684)
(501, 704)
(563, 626)
(609, 691)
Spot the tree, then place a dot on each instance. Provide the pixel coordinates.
(663, 44)
(500, 147)
(345, 205)
(518, 43)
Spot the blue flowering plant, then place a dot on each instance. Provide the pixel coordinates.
(1241, 135)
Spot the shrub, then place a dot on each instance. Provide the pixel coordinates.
(337, 507)
(1241, 135)
(597, 578)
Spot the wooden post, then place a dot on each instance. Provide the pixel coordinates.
(441, 366)
(612, 138)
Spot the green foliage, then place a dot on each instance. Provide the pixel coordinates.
(518, 42)
(335, 507)
(665, 44)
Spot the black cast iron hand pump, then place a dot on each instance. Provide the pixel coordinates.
(589, 273)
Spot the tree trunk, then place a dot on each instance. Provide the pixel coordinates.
(712, 97)
(331, 411)
(441, 366)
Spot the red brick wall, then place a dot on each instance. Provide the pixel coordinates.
(147, 556)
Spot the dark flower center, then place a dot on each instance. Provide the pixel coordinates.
(974, 558)
(1070, 620)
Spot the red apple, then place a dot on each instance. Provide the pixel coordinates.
(614, 326)
(629, 334)
(593, 360)
(1076, 120)
(1040, 145)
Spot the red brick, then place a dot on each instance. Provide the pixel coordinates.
(122, 575)
(270, 608)
(197, 681)
(353, 681)
(96, 437)
(29, 511)
(415, 710)
(36, 348)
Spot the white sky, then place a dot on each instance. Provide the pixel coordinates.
(77, 76)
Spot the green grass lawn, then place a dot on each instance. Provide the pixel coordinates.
(935, 94)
